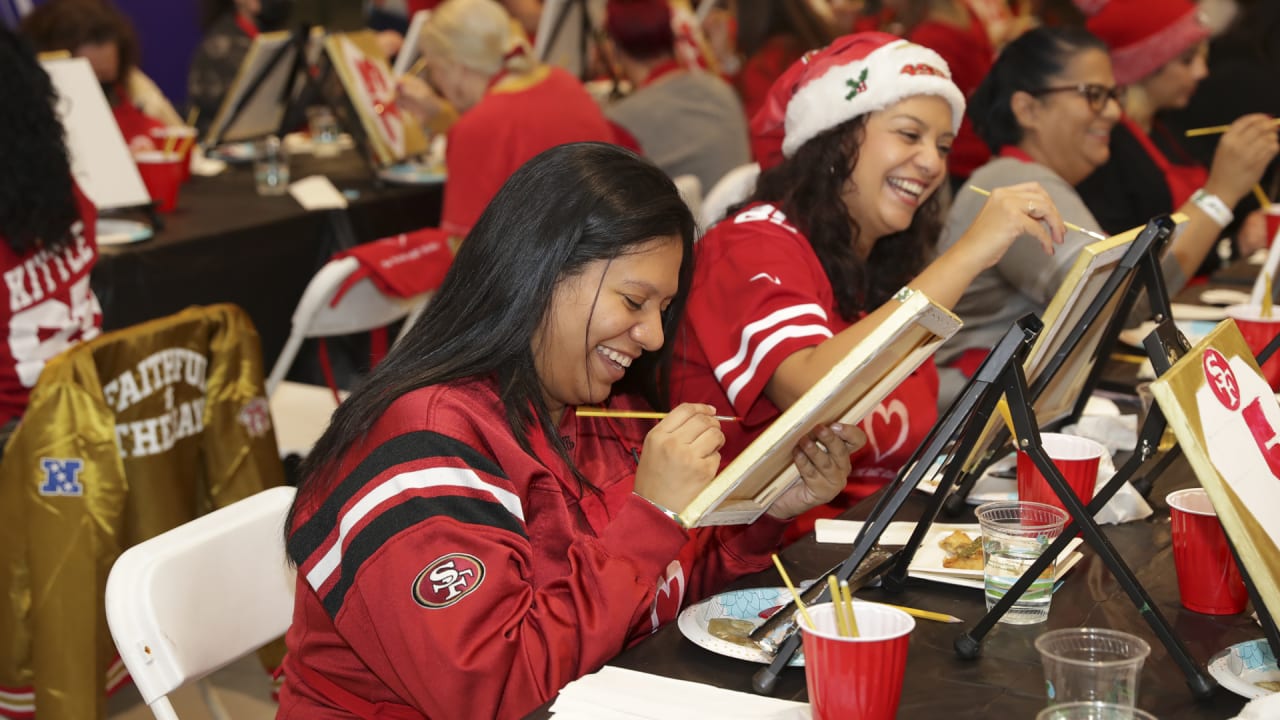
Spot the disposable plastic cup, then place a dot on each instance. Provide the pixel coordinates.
(178, 138)
(1208, 578)
(1093, 711)
(162, 174)
(1272, 215)
(856, 677)
(1091, 665)
(1076, 458)
(1014, 534)
(322, 126)
(1257, 332)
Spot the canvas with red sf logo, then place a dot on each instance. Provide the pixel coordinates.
(1227, 420)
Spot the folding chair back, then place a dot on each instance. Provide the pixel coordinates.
(200, 596)
(734, 187)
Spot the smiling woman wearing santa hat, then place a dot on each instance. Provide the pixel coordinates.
(852, 142)
(1158, 50)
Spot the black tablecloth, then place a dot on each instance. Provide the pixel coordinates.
(1007, 681)
(225, 243)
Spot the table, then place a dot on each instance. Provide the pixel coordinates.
(1007, 681)
(225, 243)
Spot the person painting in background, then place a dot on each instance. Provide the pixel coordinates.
(463, 538)
(1158, 52)
(47, 240)
(685, 121)
(1046, 110)
(509, 106)
(229, 28)
(951, 29)
(852, 144)
(98, 32)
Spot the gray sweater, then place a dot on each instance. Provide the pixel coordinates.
(687, 123)
(1025, 279)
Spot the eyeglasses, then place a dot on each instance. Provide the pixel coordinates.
(1096, 95)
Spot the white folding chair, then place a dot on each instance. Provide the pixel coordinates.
(690, 188)
(734, 187)
(301, 411)
(200, 596)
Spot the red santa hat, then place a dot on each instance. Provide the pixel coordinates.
(1144, 35)
(854, 75)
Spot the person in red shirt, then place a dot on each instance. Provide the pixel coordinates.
(466, 544)
(98, 32)
(47, 241)
(951, 29)
(509, 107)
(852, 144)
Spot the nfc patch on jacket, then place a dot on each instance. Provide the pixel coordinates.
(61, 477)
(255, 417)
(447, 580)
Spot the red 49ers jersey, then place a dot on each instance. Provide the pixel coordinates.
(449, 573)
(759, 294)
(48, 307)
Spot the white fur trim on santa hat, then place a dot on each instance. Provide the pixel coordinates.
(886, 75)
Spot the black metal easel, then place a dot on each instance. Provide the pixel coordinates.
(297, 47)
(1138, 269)
(965, 419)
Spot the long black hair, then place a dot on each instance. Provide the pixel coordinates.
(809, 189)
(37, 203)
(568, 207)
(1028, 64)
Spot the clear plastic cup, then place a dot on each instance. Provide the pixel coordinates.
(1092, 665)
(270, 167)
(1093, 711)
(1014, 535)
(322, 126)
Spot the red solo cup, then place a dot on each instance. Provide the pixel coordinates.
(162, 174)
(1272, 215)
(856, 677)
(1257, 332)
(178, 138)
(1076, 458)
(1208, 579)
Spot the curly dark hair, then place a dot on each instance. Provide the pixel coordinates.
(37, 203)
(809, 186)
(68, 24)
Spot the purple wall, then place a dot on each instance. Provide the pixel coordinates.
(168, 31)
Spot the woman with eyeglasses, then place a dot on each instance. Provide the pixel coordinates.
(1158, 49)
(1046, 110)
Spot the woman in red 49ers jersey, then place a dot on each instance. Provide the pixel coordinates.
(852, 144)
(466, 544)
(46, 232)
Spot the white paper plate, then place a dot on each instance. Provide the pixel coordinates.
(927, 563)
(1185, 312)
(112, 231)
(236, 152)
(411, 173)
(1224, 296)
(1241, 666)
(745, 604)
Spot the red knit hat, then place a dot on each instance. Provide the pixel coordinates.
(642, 28)
(1144, 35)
(854, 75)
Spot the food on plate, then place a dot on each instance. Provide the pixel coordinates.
(963, 552)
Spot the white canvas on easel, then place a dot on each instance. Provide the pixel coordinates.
(412, 47)
(261, 113)
(566, 50)
(100, 159)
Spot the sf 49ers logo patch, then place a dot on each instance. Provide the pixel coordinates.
(447, 580)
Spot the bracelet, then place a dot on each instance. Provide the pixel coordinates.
(1213, 206)
(675, 516)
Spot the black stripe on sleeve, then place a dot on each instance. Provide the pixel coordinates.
(404, 516)
(401, 449)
